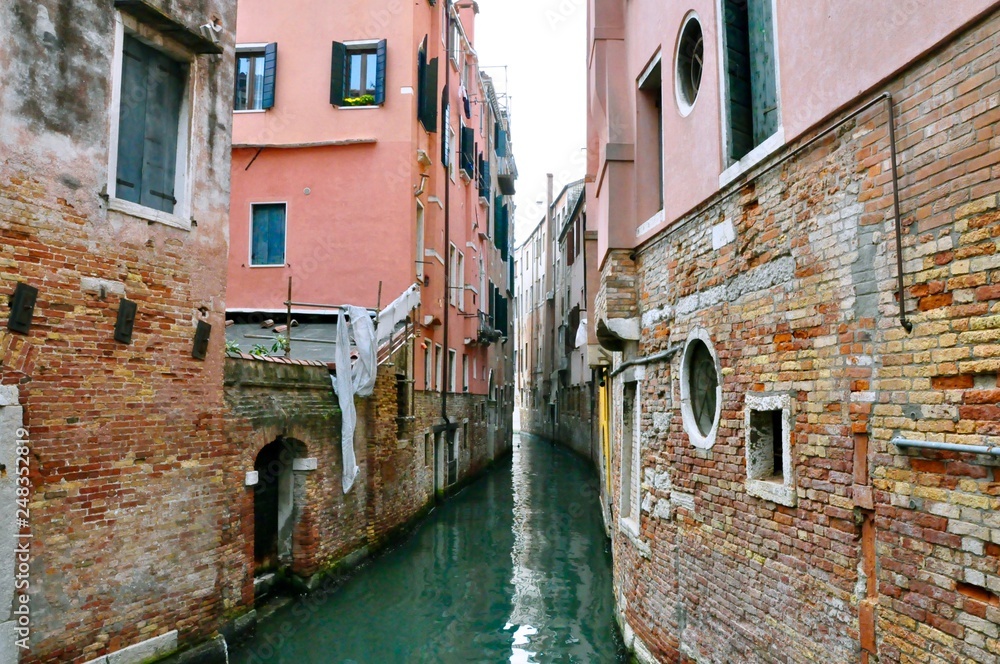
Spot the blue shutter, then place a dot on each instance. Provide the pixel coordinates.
(270, 74)
(132, 120)
(500, 140)
(164, 91)
(380, 53)
(468, 150)
(258, 235)
(276, 236)
(338, 74)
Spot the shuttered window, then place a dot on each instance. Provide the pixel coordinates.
(255, 78)
(357, 74)
(468, 151)
(149, 120)
(751, 74)
(427, 82)
(267, 234)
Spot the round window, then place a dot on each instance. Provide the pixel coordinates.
(690, 62)
(701, 390)
(703, 384)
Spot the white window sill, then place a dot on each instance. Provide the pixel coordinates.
(776, 492)
(771, 144)
(241, 111)
(357, 108)
(148, 213)
(272, 266)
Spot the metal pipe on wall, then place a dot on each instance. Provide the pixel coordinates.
(903, 443)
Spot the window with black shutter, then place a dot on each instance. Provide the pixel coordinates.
(751, 74)
(468, 164)
(357, 74)
(152, 90)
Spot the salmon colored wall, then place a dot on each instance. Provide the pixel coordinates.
(826, 59)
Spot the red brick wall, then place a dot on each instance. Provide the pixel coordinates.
(803, 303)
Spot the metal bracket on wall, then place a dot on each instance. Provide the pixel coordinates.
(22, 308)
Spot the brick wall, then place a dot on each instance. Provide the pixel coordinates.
(801, 304)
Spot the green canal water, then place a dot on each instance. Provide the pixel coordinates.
(515, 569)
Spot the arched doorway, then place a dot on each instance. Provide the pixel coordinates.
(273, 504)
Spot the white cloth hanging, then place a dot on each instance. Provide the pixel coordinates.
(350, 380)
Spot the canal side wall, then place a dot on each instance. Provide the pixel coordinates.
(862, 549)
(125, 511)
(574, 426)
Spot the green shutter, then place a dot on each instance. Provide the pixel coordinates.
(276, 239)
(421, 78)
(132, 120)
(763, 76)
(270, 74)
(500, 140)
(380, 53)
(164, 92)
(741, 132)
(338, 74)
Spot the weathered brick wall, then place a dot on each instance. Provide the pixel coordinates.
(129, 524)
(802, 303)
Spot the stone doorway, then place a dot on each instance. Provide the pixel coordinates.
(274, 505)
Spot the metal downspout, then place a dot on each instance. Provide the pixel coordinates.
(901, 292)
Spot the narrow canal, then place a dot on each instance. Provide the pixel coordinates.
(513, 569)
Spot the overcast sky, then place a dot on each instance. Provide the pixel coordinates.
(543, 45)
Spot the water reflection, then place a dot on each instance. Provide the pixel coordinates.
(513, 569)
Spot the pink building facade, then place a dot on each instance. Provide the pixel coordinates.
(795, 206)
(368, 159)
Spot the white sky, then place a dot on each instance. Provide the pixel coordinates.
(543, 44)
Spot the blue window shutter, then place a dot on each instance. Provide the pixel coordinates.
(258, 235)
(270, 75)
(338, 74)
(380, 53)
(497, 219)
(276, 236)
(132, 120)
(468, 149)
(164, 91)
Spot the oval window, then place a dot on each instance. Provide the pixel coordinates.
(690, 64)
(703, 386)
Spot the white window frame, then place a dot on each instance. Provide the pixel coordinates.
(284, 250)
(181, 216)
(784, 492)
(465, 372)
(772, 143)
(428, 365)
(460, 281)
(630, 524)
(421, 239)
(683, 107)
(452, 369)
(699, 440)
(452, 270)
(439, 366)
(253, 47)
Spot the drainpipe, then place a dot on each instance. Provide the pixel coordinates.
(901, 292)
(902, 443)
(447, 216)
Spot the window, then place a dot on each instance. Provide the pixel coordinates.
(428, 366)
(439, 366)
(267, 234)
(452, 275)
(468, 163)
(751, 74)
(701, 393)
(630, 459)
(420, 242)
(452, 150)
(452, 368)
(255, 77)
(427, 83)
(460, 281)
(767, 432)
(150, 144)
(465, 372)
(357, 76)
(649, 143)
(690, 63)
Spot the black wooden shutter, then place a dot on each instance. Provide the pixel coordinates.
(164, 91)
(468, 148)
(428, 106)
(270, 73)
(338, 74)
(132, 120)
(380, 53)
(738, 74)
(421, 78)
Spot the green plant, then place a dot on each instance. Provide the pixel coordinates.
(258, 350)
(280, 345)
(232, 346)
(363, 100)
